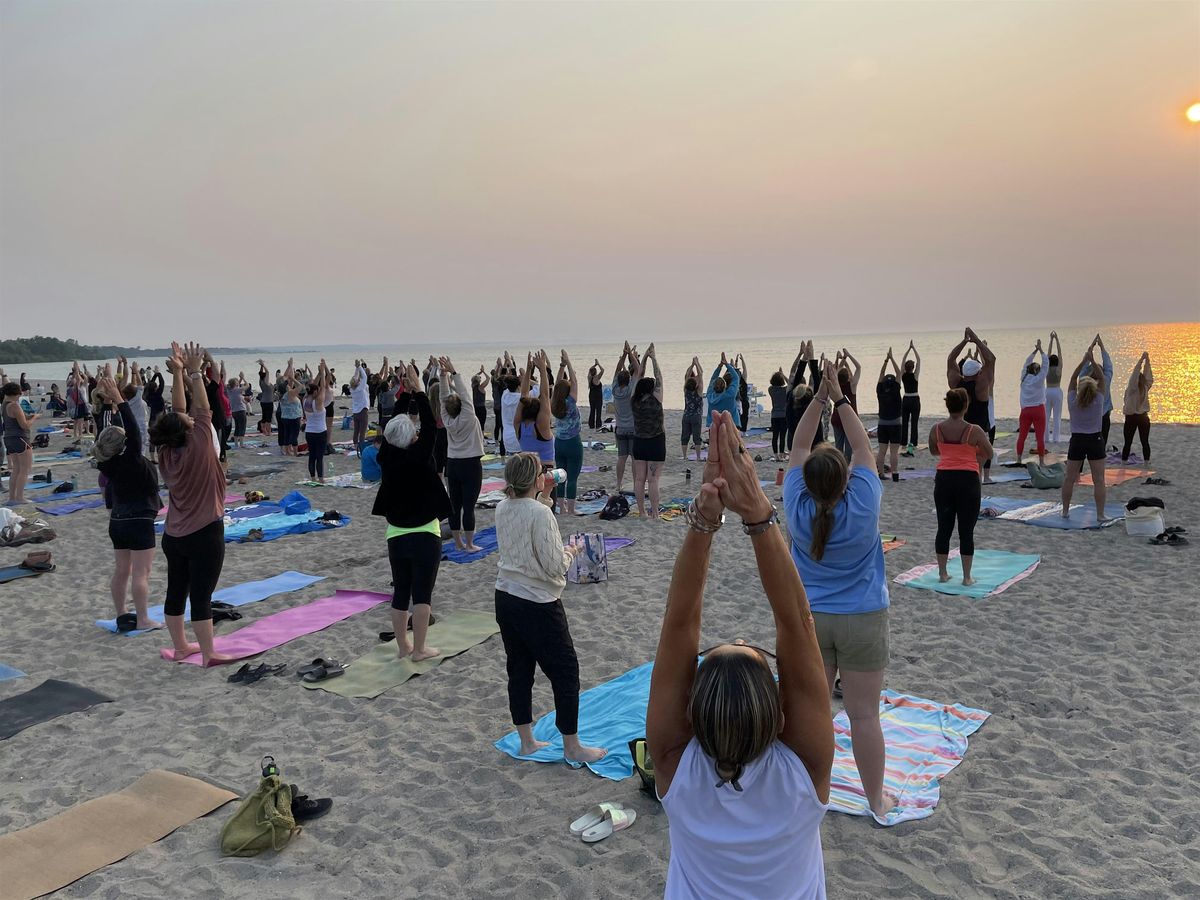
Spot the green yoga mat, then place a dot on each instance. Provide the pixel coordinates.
(381, 670)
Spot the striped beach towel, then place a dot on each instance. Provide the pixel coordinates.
(925, 741)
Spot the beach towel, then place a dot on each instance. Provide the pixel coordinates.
(998, 476)
(925, 741)
(67, 495)
(8, 672)
(47, 701)
(235, 595)
(58, 457)
(891, 542)
(994, 571)
(62, 849)
(610, 716)
(65, 509)
(590, 507)
(493, 465)
(276, 525)
(349, 480)
(1118, 475)
(381, 669)
(1047, 514)
(492, 484)
(277, 629)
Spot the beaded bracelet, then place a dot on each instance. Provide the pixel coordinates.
(697, 522)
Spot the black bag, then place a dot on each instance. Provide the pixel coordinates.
(1135, 502)
(617, 507)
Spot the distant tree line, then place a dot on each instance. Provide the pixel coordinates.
(40, 349)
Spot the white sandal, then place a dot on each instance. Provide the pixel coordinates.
(614, 820)
(592, 817)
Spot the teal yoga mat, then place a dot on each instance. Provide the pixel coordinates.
(994, 571)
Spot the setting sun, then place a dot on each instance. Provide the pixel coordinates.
(1193, 112)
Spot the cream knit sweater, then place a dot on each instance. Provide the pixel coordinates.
(530, 546)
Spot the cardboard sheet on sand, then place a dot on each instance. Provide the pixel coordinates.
(52, 854)
(47, 701)
(1117, 475)
(381, 669)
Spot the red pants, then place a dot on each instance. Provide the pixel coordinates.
(1032, 416)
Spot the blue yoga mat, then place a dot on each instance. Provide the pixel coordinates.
(610, 716)
(8, 672)
(67, 508)
(12, 573)
(1081, 518)
(237, 595)
(485, 540)
(991, 569)
(69, 495)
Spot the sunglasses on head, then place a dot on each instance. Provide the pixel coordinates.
(761, 650)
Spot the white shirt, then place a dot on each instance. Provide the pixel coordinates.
(1033, 387)
(360, 396)
(762, 842)
(509, 401)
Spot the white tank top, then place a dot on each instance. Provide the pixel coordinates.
(314, 416)
(763, 841)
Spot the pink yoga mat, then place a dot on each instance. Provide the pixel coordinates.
(278, 629)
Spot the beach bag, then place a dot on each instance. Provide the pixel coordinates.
(1144, 521)
(617, 507)
(591, 565)
(263, 822)
(294, 503)
(1046, 476)
(41, 440)
(643, 765)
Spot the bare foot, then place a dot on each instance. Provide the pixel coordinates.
(187, 651)
(148, 625)
(587, 754)
(471, 548)
(943, 577)
(968, 581)
(533, 747)
(403, 648)
(426, 653)
(218, 658)
(888, 804)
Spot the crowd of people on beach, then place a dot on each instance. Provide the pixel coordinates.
(742, 760)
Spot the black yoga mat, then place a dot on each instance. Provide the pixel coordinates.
(47, 701)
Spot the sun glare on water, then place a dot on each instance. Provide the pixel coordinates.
(1193, 113)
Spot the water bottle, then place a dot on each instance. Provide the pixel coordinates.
(778, 477)
(687, 475)
(558, 476)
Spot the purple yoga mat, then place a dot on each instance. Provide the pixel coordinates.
(278, 629)
(616, 543)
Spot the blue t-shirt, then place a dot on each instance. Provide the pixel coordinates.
(567, 428)
(849, 578)
(370, 465)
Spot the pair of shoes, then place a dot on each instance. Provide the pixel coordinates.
(305, 809)
(320, 669)
(1172, 537)
(601, 821)
(247, 675)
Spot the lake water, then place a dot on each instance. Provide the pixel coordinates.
(1174, 353)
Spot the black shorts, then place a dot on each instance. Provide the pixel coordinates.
(131, 534)
(16, 444)
(289, 432)
(691, 429)
(80, 412)
(650, 449)
(239, 423)
(889, 434)
(1086, 446)
(625, 444)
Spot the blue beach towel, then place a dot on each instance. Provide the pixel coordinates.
(610, 716)
(1048, 514)
(237, 595)
(485, 540)
(8, 672)
(67, 508)
(994, 571)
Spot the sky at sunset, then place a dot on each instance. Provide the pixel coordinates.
(252, 173)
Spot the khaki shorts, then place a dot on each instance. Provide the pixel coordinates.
(854, 643)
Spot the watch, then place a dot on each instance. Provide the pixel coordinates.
(842, 402)
(753, 528)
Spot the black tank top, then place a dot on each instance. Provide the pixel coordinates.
(977, 410)
(909, 380)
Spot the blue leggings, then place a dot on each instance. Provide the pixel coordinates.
(568, 454)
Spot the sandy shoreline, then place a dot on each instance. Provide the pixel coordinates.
(1080, 785)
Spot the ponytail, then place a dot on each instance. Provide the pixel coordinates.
(822, 528)
(735, 771)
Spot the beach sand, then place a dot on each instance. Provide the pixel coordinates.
(1081, 784)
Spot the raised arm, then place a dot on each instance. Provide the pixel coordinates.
(797, 366)
(953, 372)
(620, 367)
(892, 360)
(883, 368)
(806, 430)
(861, 455)
(1088, 359)
(846, 355)
(572, 378)
(543, 419)
(526, 376)
(1147, 371)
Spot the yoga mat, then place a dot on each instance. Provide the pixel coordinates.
(47, 701)
(55, 457)
(381, 669)
(1115, 476)
(62, 849)
(494, 465)
(492, 484)
(610, 715)
(994, 571)
(925, 741)
(1048, 514)
(281, 627)
(590, 507)
(67, 495)
(349, 480)
(34, 485)
(67, 508)
(999, 477)
(12, 573)
(8, 672)
(277, 525)
(235, 595)
(486, 540)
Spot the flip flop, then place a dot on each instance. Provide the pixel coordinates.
(316, 664)
(240, 674)
(614, 820)
(1175, 529)
(593, 817)
(331, 669)
(262, 670)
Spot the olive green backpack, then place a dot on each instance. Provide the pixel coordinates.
(263, 822)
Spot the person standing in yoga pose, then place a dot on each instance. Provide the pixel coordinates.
(650, 437)
(479, 394)
(723, 389)
(464, 456)
(780, 395)
(531, 421)
(360, 404)
(568, 445)
(194, 537)
(596, 395)
(531, 573)
(833, 522)
(959, 447)
(413, 500)
(742, 764)
(1090, 371)
(131, 493)
(18, 442)
(975, 377)
(692, 423)
(316, 432)
(1137, 407)
(1054, 394)
(1085, 403)
(889, 434)
(739, 363)
(910, 407)
(1033, 402)
(622, 393)
(848, 384)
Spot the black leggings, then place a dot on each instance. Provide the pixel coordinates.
(910, 417)
(317, 442)
(193, 569)
(1139, 422)
(779, 434)
(481, 415)
(497, 426)
(361, 420)
(956, 494)
(537, 634)
(595, 408)
(1105, 426)
(415, 559)
(745, 423)
(268, 411)
(465, 479)
(793, 422)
